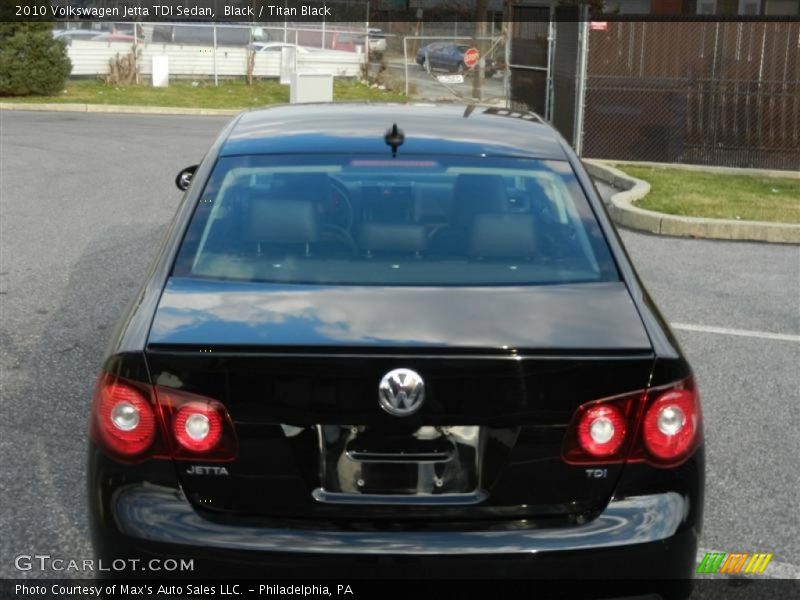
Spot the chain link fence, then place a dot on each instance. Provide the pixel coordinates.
(425, 60)
(714, 93)
(438, 68)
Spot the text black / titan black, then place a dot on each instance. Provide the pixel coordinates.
(430, 359)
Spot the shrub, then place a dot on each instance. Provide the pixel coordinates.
(31, 61)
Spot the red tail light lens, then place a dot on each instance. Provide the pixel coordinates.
(661, 426)
(198, 426)
(672, 427)
(601, 430)
(124, 420)
(135, 421)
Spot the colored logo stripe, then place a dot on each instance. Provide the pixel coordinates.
(734, 563)
(711, 562)
(758, 563)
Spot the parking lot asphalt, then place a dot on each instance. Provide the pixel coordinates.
(83, 202)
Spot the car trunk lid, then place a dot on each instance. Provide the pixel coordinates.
(298, 368)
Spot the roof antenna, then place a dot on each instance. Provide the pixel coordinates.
(394, 139)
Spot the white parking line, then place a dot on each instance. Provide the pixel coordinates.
(775, 569)
(766, 335)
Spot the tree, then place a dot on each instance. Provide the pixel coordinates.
(31, 61)
(251, 51)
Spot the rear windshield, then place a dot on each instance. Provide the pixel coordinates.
(405, 221)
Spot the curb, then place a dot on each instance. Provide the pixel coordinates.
(623, 212)
(785, 174)
(118, 109)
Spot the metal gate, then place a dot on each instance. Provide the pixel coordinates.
(548, 64)
(567, 65)
(532, 34)
(696, 92)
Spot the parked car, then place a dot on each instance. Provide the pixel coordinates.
(401, 336)
(278, 46)
(450, 57)
(116, 37)
(125, 28)
(75, 34)
(376, 41)
(227, 35)
(98, 28)
(333, 39)
(343, 40)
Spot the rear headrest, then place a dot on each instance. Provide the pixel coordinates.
(300, 186)
(281, 222)
(237, 195)
(476, 194)
(392, 237)
(503, 236)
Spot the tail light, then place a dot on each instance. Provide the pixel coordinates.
(600, 430)
(661, 426)
(135, 421)
(124, 419)
(672, 425)
(197, 426)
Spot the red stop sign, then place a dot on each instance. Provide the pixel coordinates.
(471, 57)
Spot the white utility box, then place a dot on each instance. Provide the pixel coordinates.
(160, 71)
(311, 87)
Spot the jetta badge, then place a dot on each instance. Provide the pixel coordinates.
(401, 392)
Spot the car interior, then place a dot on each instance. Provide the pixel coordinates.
(361, 218)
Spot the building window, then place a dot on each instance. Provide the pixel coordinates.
(749, 7)
(781, 7)
(706, 7)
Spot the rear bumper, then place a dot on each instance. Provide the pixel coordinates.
(160, 514)
(644, 537)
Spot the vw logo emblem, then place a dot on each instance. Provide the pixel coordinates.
(401, 392)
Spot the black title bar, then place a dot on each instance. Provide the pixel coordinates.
(421, 589)
(300, 11)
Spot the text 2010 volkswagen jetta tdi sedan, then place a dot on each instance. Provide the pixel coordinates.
(379, 338)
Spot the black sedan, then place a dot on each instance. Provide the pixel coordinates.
(449, 56)
(384, 338)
